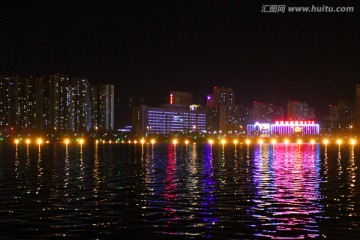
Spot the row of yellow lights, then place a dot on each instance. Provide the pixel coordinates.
(223, 141)
(142, 141)
(247, 141)
(286, 141)
(41, 141)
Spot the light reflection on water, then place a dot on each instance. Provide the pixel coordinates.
(287, 182)
(283, 191)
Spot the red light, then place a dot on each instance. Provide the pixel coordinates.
(171, 99)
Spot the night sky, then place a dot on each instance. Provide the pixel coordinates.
(151, 47)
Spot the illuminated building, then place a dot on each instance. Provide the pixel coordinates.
(229, 118)
(223, 96)
(357, 108)
(102, 107)
(80, 104)
(346, 115)
(295, 128)
(283, 128)
(55, 104)
(258, 129)
(299, 111)
(6, 102)
(333, 117)
(19, 105)
(152, 120)
(222, 113)
(212, 119)
(341, 117)
(59, 102)
(266, 112)
(181, 98)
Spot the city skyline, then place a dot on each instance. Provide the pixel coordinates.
(43, 98)
(148, 49)
(55, 104)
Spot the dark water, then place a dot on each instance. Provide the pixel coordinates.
(171, 192)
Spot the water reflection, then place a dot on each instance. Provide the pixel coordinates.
(170, 186)
(340, 172)
(285, 191)
(96, 173)
(351, 182)
(40, 171)
(287, 182)
(66, 167)
(208, 189)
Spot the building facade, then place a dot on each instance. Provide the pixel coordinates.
(152, 120)
(283, 128)
(222, 112)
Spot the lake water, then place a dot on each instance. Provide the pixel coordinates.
(166, 191)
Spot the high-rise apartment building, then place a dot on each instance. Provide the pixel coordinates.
(266, 112)
(222, 112)
(80, 89)
(54, 104)
(223, 96)
(102, 107)
(60, 103)
(6, 102)
(299, 111)
(345, 114)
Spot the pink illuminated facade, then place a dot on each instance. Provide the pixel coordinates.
(286, 128)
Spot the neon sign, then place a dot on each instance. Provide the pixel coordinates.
(294, 122)
(297, 129)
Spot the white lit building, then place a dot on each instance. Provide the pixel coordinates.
(152, 120)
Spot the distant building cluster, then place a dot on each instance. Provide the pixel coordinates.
(224, 116)
(55, 103)
(221, 115)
